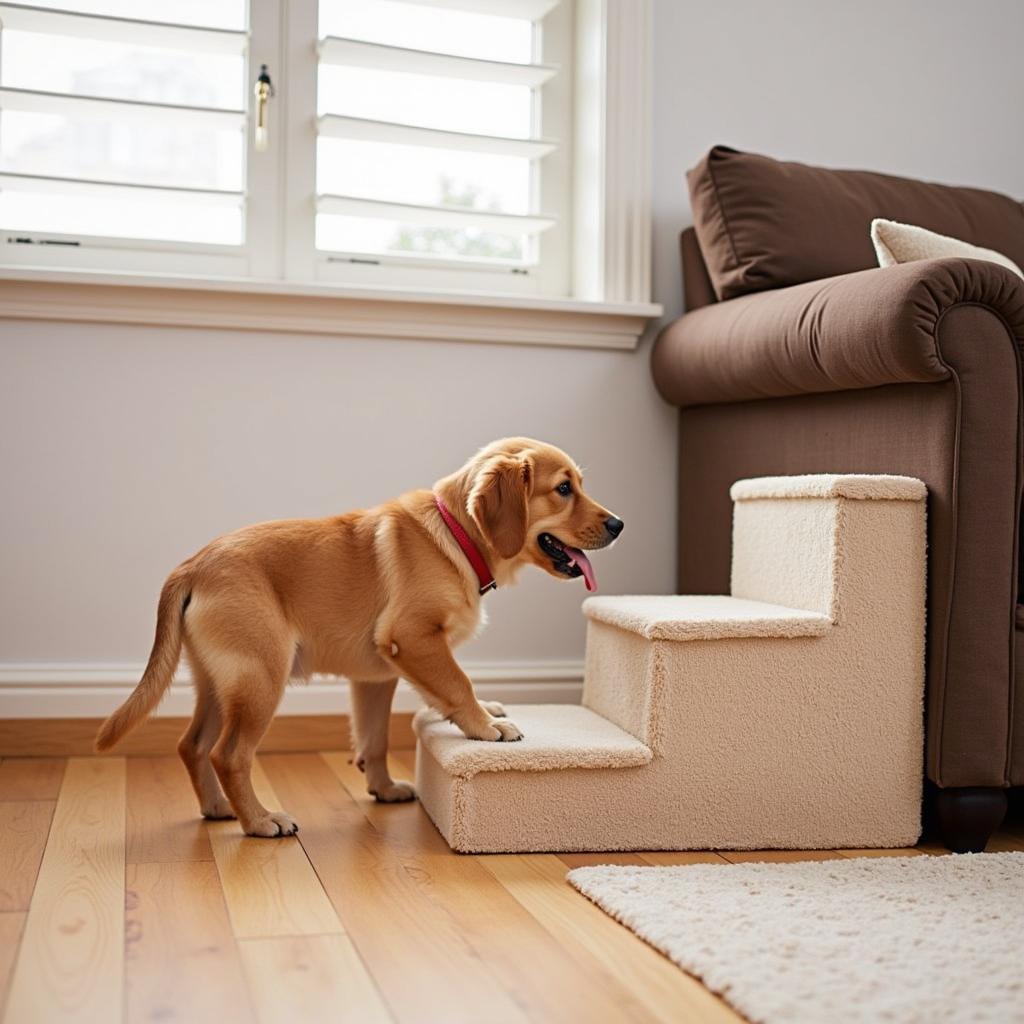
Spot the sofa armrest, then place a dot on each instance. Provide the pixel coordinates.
(859, 330)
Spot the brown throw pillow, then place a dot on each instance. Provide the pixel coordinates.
(763, 223)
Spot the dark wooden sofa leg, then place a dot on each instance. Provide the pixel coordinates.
(968, 816)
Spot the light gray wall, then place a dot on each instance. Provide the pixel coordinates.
(124, 449)
(924, 88)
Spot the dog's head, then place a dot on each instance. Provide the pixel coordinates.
(527, 499)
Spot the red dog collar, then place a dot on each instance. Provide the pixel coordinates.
(469, 549)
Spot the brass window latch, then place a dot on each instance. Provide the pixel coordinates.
(264, 90)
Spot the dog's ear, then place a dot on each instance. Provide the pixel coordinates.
(498, 501)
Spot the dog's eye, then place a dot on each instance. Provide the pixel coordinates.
(564, 488)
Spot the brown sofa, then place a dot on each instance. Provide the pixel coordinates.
(797, 354)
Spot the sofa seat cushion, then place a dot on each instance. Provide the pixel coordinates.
(764, 223)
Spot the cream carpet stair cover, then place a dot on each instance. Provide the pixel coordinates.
(787, 715)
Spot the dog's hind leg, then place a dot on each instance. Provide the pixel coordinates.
(248, 704)
(371, 716)
(195, 745)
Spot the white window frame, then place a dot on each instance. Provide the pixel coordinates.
(599, 265)
(255, 256)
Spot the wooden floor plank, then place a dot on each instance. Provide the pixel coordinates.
(313, 979)
(71, 962)
(1005, 842)
(681, 858)
(932, 847)
(381, 922)
(586, 860)
(668, 994)
(526, 959)
(11, 925)
(776, 856)
(181, 961)
(164, 823)
(269, 885)
(908, 851)
(415, 950)
(31, 778)
(24, 826)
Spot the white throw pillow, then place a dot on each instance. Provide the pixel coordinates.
(904, 243)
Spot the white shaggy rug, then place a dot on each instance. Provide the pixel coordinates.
(897, 939)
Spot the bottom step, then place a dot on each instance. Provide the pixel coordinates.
(548, 791)
(554, 736)
(579, 783)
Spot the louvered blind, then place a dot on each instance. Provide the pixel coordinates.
(428, 145)
(117, 123)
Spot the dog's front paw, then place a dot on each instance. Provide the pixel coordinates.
(394, 793)
(273, 826)
(493, 707)
(496, 730)
(508, 732)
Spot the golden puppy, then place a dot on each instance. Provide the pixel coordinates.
(370, 595)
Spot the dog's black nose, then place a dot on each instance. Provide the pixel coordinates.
(614, 526)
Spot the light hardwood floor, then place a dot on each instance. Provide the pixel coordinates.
(118, 904)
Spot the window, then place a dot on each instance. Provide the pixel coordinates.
(120, 130)
(439, 133)
(412, 143)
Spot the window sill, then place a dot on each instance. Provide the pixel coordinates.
(339, 310)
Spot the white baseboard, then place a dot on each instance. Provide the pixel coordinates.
(94, 690)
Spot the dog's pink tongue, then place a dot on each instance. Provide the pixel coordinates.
(583, 562)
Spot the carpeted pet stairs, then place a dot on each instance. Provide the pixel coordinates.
(788, 715)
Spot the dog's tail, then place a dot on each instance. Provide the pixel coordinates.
(163, 660)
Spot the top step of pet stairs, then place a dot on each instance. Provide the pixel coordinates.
(726, 721)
